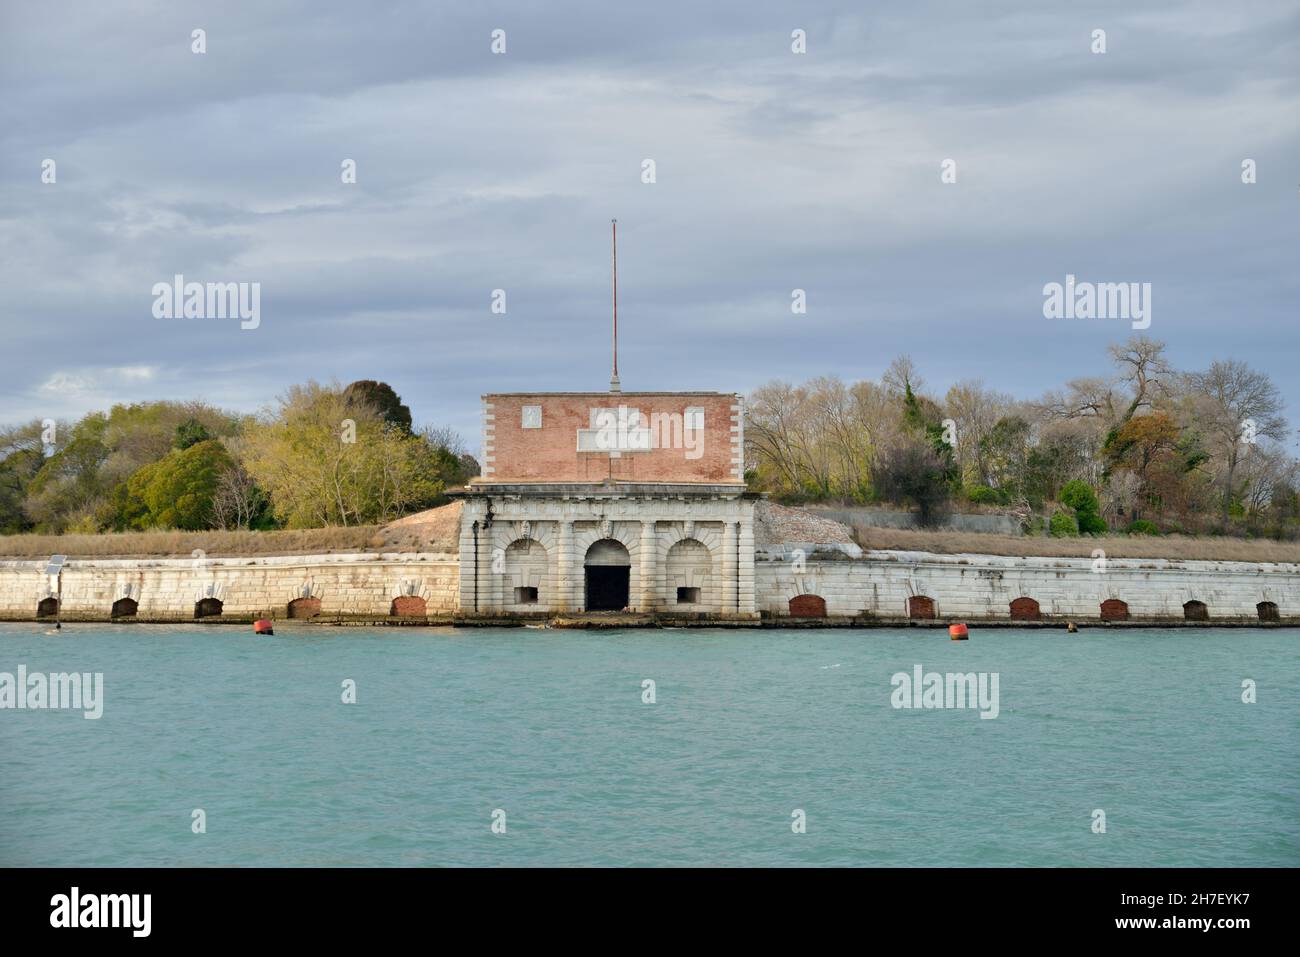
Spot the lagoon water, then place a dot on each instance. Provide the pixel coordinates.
(549, 726)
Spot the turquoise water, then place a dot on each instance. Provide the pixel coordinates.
(748, 726)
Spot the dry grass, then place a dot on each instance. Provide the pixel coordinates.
(1115, 546)
(306, 541)
(436, 530)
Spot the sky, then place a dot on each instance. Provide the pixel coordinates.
(773, 171)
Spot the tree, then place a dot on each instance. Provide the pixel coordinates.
(177, 491)
(380, 397)
(1079, 496)
(190, 432)
(913, 472)
(976, 412)
(325, 460)
(1238, 405)
(69, 482)
(1138, 446)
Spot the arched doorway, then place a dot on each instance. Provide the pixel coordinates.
(1024, 609)
(124, 608)
(807, 606)
(608, 567)
(304, 608)
(47, 608)
(1267, 611)
(920, 606)
(207, 608)
(1112, 609)
(408, 606)
(1196, 610)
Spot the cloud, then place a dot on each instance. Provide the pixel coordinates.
(775, 172)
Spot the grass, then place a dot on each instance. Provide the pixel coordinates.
(307, 541)
(373, 538)
(1207, 548)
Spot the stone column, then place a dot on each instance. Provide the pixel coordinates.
(729, 539)
(649, 598)
(468, 516)
(746, 562)
(562, 600)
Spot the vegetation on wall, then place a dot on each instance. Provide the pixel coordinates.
(324, 455)
(1146, 447)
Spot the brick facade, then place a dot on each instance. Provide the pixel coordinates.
(649, 432)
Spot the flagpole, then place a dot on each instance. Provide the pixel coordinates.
(613, 381)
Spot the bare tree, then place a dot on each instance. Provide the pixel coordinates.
(1237, 406)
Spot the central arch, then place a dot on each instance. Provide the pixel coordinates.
(607, 567)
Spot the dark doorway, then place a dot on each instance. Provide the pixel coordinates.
(207, 608)
(607, 587)
(1267, 611)
(1196, 611)
(124, 608)
(47, 608)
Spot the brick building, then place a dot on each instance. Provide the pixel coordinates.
(603, 501)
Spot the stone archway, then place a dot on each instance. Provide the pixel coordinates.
(1025, 609)
(807, 606)
(207, 608)
(920, 606)
(1112, 609)
(47, 608)
(124, 608)
(408, 606)
(304, 608)
(1267, 611)
(1196, 610)
(607, 572)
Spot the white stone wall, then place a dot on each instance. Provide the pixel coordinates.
(983, 586)
(963, 587)
(169, 588)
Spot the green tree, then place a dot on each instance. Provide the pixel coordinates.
(380, 397)
(190, 432)
(326, 461)
(176, 492)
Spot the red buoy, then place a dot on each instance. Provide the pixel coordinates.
(263, 627)
(957, 632)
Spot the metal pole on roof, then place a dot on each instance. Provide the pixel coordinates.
(613, 380)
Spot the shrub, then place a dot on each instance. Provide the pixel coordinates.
(1090, 523)
(1064, 525)
(1079, 496)
(983, 495)
(1143, 527)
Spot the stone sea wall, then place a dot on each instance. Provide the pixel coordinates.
(894, 584)
(172, 589)
(803, 582)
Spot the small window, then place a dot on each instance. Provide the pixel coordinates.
(532, 417)
(526, 596)
(688, 596)
(694, 419)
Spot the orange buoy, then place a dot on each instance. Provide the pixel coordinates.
(957, 632)
(263, 627)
